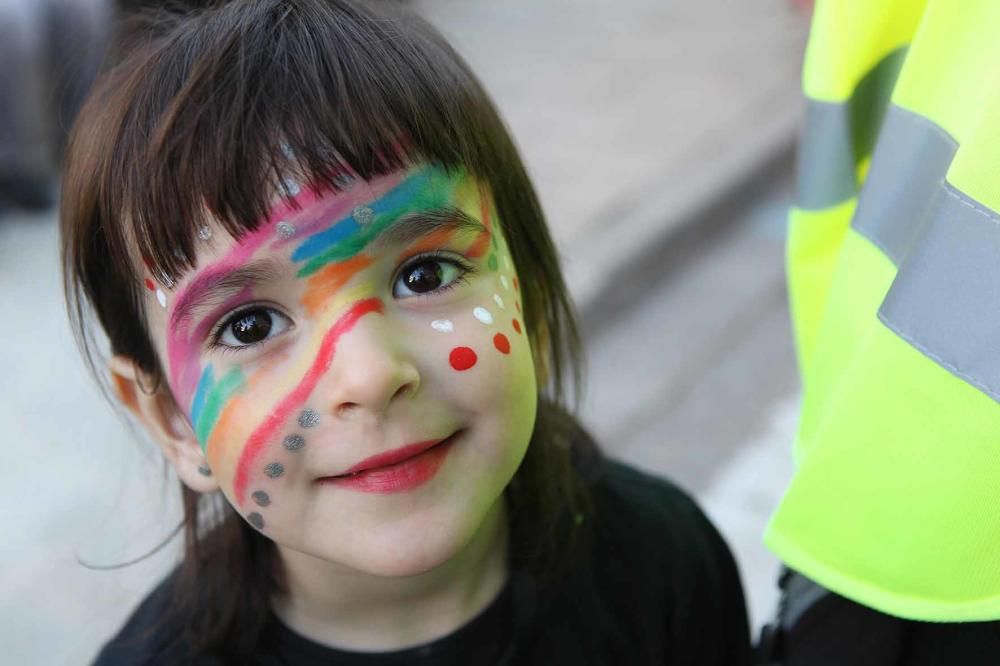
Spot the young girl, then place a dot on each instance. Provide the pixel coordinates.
(332, 300)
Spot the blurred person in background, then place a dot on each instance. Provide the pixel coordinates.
(890, 529)
(50, 51)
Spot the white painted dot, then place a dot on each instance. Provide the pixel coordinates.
(505, 282)
(443, 325)
(498, 301)
(483, 315)
(161, 297)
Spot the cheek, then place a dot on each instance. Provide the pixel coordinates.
(482, 355)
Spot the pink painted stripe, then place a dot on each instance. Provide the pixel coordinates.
(294, 400)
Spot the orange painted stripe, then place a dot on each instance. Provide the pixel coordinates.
(479, 246)
(484, 206)
(432, 241)
(330, 279)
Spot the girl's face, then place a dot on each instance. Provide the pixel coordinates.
(357, 372)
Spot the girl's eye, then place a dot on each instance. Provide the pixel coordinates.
(251, 327)
(426, 276)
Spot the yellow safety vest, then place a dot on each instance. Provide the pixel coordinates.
(894, 279)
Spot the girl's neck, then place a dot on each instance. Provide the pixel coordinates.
(357, 611)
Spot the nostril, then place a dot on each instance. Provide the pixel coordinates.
(346, 408)
(404, 390)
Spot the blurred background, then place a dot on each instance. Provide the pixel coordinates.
(660, 135)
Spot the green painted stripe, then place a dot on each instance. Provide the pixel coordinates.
(231, 383)
(437, 195)
(910, 162)
(944, 300)
(838, 136)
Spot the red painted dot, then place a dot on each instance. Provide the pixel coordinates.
(516, 324)
(150, 285)
(501, 342)
(515, 284)
(517, 304)
(462, 358)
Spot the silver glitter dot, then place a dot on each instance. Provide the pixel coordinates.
(204, 469)
(294, 442)
(256, 520)
(261, 498)
(274, 470)
(344, 181)
(204, 233)
(363, 215)
(292, 187)
(308, 418)
(285, 229)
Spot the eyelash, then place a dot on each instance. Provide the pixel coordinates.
(466, 269)
(215, 337)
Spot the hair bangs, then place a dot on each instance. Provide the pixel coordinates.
(226, 111)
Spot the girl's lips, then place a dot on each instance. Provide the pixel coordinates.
(395, 471)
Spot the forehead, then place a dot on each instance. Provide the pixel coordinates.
(365, 216)
(315, 231)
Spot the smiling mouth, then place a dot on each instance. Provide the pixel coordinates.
(395, 471)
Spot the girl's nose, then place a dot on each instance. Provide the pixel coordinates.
(370, 371)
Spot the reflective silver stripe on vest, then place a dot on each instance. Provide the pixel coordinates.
(825, 166)
(910, 162)
(946, 296)
(837, 136)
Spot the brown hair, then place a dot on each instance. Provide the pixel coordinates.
(199, 109)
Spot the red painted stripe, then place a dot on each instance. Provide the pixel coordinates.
(265, 431)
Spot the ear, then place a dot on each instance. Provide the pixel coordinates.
(159, 414)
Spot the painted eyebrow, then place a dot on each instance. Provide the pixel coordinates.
(413, 226)
(212, 287)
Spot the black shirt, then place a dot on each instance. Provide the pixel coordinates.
(655, 585)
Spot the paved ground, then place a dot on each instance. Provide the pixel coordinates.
(696, 380)
(632, 123)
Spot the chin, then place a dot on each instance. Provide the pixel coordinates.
(412, 551)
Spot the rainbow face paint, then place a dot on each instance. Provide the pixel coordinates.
(346, 326)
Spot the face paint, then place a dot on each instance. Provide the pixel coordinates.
(462, 358)
(292, 401)
(211, 397)
(483, 315)
(338, 265)
(516, 324)
(363, 215)
(285, 230)
(427, 189)
(308, 418)
(274, 470)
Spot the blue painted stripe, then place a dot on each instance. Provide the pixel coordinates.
(391, 201)
(201, 395)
